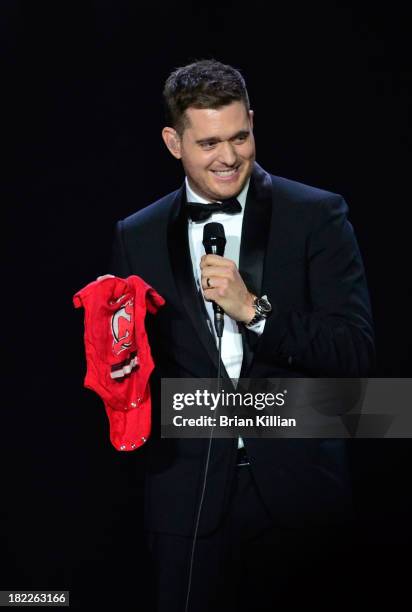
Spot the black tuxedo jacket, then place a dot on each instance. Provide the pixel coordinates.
(297, 247)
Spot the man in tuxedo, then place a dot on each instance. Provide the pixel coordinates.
(293, 290)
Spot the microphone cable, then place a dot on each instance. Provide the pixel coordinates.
(202, 496)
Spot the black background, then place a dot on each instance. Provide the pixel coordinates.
(331, 88)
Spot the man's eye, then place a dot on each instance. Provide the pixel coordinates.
(208, 145)
(241, 138)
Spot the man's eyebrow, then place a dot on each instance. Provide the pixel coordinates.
(215, 139)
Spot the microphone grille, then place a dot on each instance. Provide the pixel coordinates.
(213, 229)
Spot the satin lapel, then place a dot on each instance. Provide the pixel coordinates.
(179, 253)
(253, 246)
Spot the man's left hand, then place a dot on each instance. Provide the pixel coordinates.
(226, 287)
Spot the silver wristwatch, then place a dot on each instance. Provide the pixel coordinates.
(263, 308)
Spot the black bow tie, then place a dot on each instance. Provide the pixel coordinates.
(200, 212)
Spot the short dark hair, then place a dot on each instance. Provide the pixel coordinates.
(202, 84)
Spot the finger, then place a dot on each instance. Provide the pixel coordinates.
(216, 260)
(207, 282)
(99, 278)
(215, 282)
(224, 271)
(220, 286)
(212, 295)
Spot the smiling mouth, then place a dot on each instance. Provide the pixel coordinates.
(226, 173)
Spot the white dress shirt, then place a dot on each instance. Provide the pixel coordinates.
(232, 349)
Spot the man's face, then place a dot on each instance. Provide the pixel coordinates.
(217, 149)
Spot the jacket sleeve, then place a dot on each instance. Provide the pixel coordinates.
(119, 264)
(334, 334)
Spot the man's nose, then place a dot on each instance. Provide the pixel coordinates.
(227, 153)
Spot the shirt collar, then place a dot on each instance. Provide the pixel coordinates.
(193, 197)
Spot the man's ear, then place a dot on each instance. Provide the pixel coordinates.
(172, 140)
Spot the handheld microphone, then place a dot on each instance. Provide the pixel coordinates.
(214, 241)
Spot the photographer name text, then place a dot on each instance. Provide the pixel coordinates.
(226, 421)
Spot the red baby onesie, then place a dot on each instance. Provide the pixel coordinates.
(119, 361)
